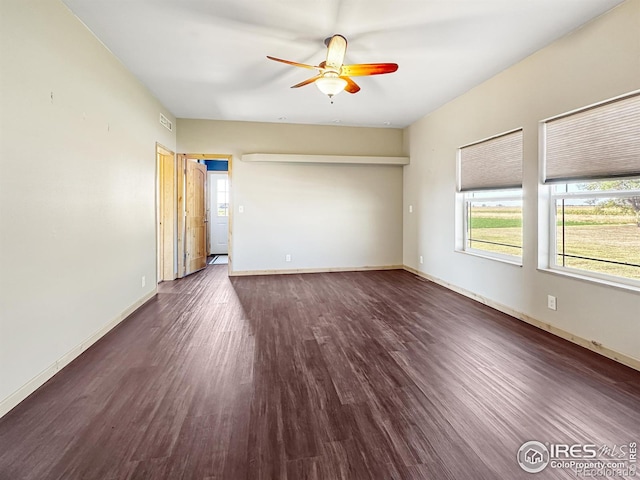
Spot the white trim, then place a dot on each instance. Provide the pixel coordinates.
(544, 224)
(595, 277)
(592, 345)
(596, 193)
(36, 382)
(459, 171)
(493, 198)
(553, 230)
(499, 257)
(605, 280)
(542, 151)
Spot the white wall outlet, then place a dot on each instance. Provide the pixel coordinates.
(241, 209)
(410, 208)
(421, 260)
(144, 280)
(287, 258)
(551, 302)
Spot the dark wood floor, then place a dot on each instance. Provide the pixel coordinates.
(377, 375)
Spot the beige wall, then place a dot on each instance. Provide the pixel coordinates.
(324, 216)
(596, 62)
(77, 191)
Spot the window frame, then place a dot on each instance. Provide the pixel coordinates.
(591, 275)
(467, 199)
(547, 200)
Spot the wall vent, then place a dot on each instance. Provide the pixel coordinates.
(166, 123)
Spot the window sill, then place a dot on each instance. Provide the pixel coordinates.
(503, 259)
(590, 279)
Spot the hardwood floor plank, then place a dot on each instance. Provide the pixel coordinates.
(332, 376)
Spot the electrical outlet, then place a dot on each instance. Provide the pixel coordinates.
(287, 258)
(410, 208)
(551, 302)
(144, 280)
(241, 209)
(421, 260)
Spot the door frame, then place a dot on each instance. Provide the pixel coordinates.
(166, 173)
(182, 162)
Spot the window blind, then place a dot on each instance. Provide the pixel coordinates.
(598, 142)
(493, 164)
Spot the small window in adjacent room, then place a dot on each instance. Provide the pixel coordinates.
(222, 201)
(490, 183)
(592, 167)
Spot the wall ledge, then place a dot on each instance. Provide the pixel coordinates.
(594, 346)
(336, 159)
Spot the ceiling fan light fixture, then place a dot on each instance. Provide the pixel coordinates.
(332, 75)
(330, 84)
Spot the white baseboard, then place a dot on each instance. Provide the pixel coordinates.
(36, 382)
(313, 270)
(594, 346)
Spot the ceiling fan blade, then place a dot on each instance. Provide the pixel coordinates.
(363, 69)
(295, 64)
(335, 52)
(352, 87)
(307, 81)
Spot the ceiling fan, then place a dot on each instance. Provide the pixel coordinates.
(334, 77)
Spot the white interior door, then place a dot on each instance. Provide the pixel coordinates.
(219, 213)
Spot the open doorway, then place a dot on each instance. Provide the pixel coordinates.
(218, 209)
(217, 204)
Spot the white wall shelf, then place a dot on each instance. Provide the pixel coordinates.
(341, 159)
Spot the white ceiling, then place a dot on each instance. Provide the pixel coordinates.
(207, 58)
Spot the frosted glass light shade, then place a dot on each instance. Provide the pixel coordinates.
(331, 84)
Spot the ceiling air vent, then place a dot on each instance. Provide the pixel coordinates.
(166, 123)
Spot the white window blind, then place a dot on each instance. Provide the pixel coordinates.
(597, 142)
(494, 163)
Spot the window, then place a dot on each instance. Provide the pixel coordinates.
(490, 185)
(592, 167)
(222, 202)
(493, 222)
(597, 227)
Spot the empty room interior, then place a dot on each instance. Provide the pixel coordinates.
(319, 239)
